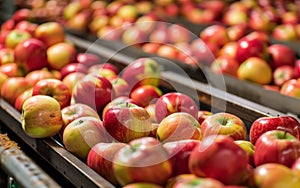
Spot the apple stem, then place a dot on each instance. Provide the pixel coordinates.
(126, 104)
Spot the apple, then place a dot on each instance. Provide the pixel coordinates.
(95, 91)
(225, 65)
(207, 160)
(75, 111)
(175, 102)
(273, 175)
(260, 21)
(249, 148)
(215, 33)
(31, 54)
(71, 9)
(203, 114)
(60, 54)
(100, 159)
(290, 17)
(72, 79)
(128, 12)
(142, 71)
(22, 98)
(22, 14)
(296, 167)
(151, 110)
(73, 67)
(80, 21)
(82, 134)
(109, 32)
(178, 178)
(143, 160)
(235, 16)
(291, 88)
(12, 87)
(3, 78)
(225, 123)
(88, 59)
(264, 124)
(142, 185)
(228, 50)
(179, 152)
(8, 25)
(49, 119)
(99, 67)
(15, 36)
(256, 70)
(50, 33)
(26, 26)
(145, 94)
(202, 52)
(276, 146)
(250, 46)
(199, 183)
(36, 75)
(146, 22)
(159, 34)
(281, 54)
(120, 87)
(12, 70)
(235, 32)
(54, 88)
(6, 56)
(297, 68)
(178, 126)
(126, 122)
(151, 47)
(133, 36)
(98, 22)
(167, 51)
(178, 33)
(282, 74)
(285, 32)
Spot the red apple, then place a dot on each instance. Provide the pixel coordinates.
(15, 36)
(159, 34)
(73, 67)
(179, 152)
(95, 91)
(12, 70)
(225, 124)
(167, 51)
(207, 160)
(13, 87)
(3, 78)
(291, 88)
(178, 126)
(99, 67)
(143, 160)
(72, 79)
(203, 114)
(264, 124)
(49, 119)
(22, 14)
(260, 21)
(31, 54)
(26, 26)
(290, 17)
(145, 94)
(181, 177)
(151, 47)
(60, 54)
(100, 159)
(175, 102)
(88, 59)
(126, 122)
(202, 52)
(199, 183)
(22, 98)
(8, 25)
(216, 34)
(50, 33)
(249, 148)
(281, 54)
(36, 75)
(235, 32)
(225, 65)
(54, 88)
(276, 146)
(142, 71)
(297, 68)
(228, 50)
(82, 134)
(282, 74)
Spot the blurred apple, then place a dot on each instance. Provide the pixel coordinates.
(281, 54)
(22, 98)
(178, 33)
(26, 26)
(6, 56)
(249, 148)
(12, 70)
(297, 68)
(128, 12)
(3, 78)
(199, 183)
(291, 88)
(203, 114)
(228, 50)
(36, 75)
(22, 14)
(88, 59)
(15, 36)
(285, 32)
(216, 34)
(71, 10)
(133, 36)
(50, 33)
(80, 21)
(225, 65)
(120, 87)
(282, 74)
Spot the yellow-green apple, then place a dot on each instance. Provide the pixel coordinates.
(75, 111)
(256, 70)
(199, 183)
(26, 26)
(178, 33)
(73, 67)
(71, 9)
(291, 88)
(179, 152)
(142, 71)
(98, 22)
(235, 16)
(280, 55)
(151, 110)
(126, 122)
(250, 46)
(272, 175)
(249, 148)
(54, 88)
(36, 75)
(282, 74)
(178, 126)
(276, 146)
(3, 78)
(100, 159)
(82, 134)
(15, 36)
(264, 124)
(12, 87)
(71, 80)
(128, 12)
(22, 98)
(12, 70)
(207, 160)
(50, 33)
(224, 123)
(145, 94)
(216, 34)
(95, 91)
(143, 160)
(60, 54)
(285, 32)
(203, 114)
(120, 87)
(31, 55)
(88, 59)
(225, 65)
(22, 14)
(175, 102)
(6, 56)
(49, 119)
(142, 184)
